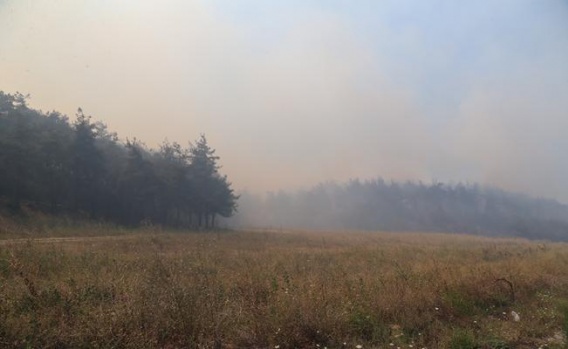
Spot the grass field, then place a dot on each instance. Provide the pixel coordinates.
(281, 290)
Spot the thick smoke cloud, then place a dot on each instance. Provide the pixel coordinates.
(291, 94)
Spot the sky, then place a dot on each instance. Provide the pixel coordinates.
(292, 93)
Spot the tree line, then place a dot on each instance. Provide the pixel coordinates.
(377, 204)
(80, 168)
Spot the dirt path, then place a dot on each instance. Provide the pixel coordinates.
(69, 239)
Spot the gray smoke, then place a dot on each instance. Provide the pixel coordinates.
(294, 93)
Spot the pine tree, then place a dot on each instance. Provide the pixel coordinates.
(212, 191)
(88, 167)
(140, 187)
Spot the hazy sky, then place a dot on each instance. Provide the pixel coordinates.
(291, 93)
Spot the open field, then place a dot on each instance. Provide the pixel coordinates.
(282, 290)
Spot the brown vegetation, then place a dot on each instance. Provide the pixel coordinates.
(283, 290)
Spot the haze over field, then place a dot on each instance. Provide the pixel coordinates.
(292, 93)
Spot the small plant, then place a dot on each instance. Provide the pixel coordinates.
(369, 328)
(495, 343)
(564, 312)
(462, 339)
(460, 303)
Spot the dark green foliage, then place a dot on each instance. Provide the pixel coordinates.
(81, 169)
(213, 192)
(463, 339)
(139, 186)
(88, 171)
(369, 327)
(563, 306)
(460, 303)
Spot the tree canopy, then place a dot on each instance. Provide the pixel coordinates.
(80, 168)
(379, 205)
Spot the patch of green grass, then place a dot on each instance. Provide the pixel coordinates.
(368, 327)
(460, 303)
(563, 307)
(495, 343)
(462, 339)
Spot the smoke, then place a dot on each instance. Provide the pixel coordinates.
(292, 94)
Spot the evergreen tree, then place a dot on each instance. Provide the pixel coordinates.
(88, 168)
(212, 191)
(224, 198)
(54, 169)
(141, 187)
(81, 168)
(19, 149)
(177, 197)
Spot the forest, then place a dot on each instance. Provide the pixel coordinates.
(377, 204)
(81, 169)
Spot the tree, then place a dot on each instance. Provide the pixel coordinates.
(213, 193)
(88, 167)
(54, 169)
(177, 196)
(83, 169)
(141, 187)
(19, 156)
(224, 198)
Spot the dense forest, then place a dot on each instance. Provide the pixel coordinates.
(80, 169)
(410, 206)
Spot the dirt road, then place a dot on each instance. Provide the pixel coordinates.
(69, 239)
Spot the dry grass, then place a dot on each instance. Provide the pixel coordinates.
(283, 290)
